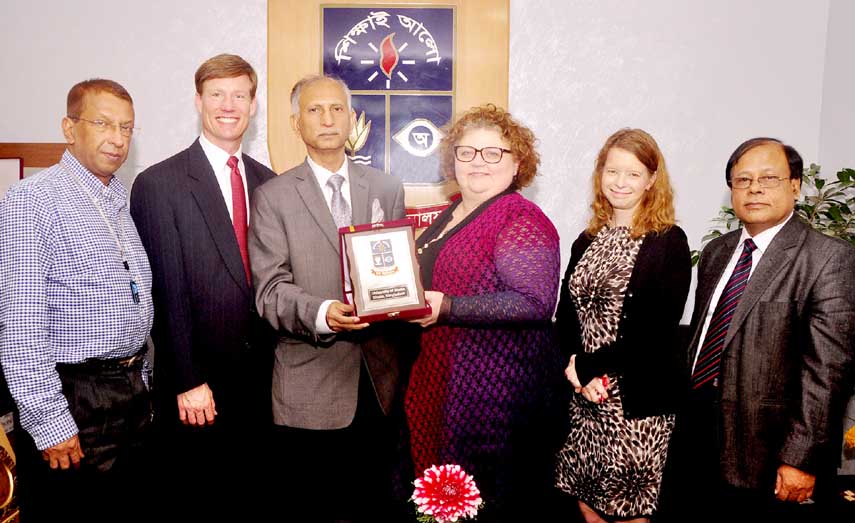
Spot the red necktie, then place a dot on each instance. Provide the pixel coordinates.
(239, 214)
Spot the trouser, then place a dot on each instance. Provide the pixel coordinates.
(694, 490)
(219, 471)
(324, 476)
(111, 406)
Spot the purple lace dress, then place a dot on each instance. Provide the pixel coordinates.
(482, 389)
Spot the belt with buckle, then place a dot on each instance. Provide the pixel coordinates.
(104, 364)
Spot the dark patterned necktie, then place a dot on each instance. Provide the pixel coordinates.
(239, 220)
(338, 205)
(709, 357)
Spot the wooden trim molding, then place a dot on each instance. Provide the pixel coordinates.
(34, 154)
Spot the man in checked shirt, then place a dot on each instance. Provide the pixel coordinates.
(75, 311)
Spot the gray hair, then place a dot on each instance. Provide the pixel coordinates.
(312, 79)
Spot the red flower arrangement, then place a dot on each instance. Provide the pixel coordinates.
(445, 494)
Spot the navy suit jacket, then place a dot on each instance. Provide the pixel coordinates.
(206, 328)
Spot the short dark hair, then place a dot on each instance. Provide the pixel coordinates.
(794, 159)
(226, 66)
(76, 95)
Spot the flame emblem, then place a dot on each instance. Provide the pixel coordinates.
(388, 56)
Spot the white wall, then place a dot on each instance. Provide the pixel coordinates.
(701, 77)
(837, 128)
(152, 48)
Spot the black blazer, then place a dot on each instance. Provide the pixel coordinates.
(646, 354)
(205, 326)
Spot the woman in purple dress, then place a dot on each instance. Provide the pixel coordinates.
(621, 302)
(482, 391)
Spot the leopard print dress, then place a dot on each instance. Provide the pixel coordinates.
(611, 463)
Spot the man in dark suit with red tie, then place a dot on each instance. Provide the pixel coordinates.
(771, 357)
(213, 354)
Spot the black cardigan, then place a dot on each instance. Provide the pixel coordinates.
(646, 355)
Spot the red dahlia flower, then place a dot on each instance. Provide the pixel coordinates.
(446, 494)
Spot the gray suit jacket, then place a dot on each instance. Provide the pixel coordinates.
(787, 364)
(294, 253)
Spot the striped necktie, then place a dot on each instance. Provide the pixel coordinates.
(709, 358)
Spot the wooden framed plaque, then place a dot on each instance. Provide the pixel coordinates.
(380, 271)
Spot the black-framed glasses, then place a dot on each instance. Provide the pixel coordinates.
(766, 182)
(466, 153)
(102, 126)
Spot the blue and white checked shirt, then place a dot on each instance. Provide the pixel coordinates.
(64, 294)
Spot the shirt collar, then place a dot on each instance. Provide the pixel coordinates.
(323, 174)
(763, 239)
(91, 182)
(217, 157)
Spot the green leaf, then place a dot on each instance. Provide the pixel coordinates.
(835, 214)
(846, 175)
(812, 171)
(819, 183)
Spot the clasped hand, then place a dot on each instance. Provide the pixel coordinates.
(596, 391)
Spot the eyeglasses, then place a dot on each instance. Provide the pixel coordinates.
(766, 182)
(102, 126)
(466, 153)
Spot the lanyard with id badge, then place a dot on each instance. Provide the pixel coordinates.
(135, 292)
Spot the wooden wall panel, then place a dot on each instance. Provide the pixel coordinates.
(34, 154)
(294, 50)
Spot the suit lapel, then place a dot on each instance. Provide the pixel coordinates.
(253, 179)
(776, 259)
(313, 198)
(206, 191)
(358, 195)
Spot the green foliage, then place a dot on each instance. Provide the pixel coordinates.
(826, 205)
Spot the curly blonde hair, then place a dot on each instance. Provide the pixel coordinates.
(521, 141)
(655, 212)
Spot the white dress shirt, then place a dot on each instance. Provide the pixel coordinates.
(322, 174)
(218, 159)
(762, 242)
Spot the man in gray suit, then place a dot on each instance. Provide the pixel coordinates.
(335, 377)
(771, 354)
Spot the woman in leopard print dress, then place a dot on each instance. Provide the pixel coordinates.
(620, 304)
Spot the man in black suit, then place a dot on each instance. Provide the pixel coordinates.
(771, 354)
(213, 354)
